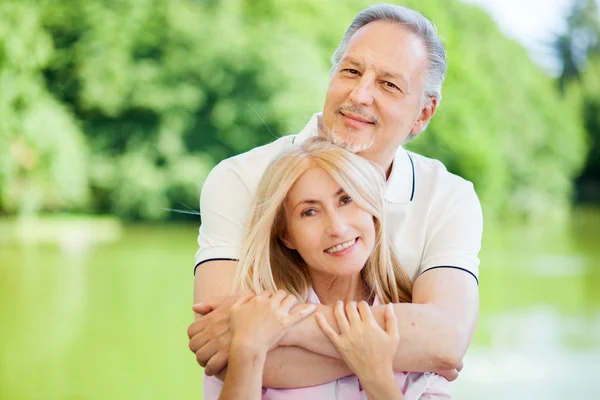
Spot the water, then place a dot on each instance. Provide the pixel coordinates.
(85, 321)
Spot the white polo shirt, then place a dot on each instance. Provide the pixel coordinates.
(434, 217)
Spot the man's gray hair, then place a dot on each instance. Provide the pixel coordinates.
(414, 22)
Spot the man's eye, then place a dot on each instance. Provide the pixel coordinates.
(350, 71)
(391, 85)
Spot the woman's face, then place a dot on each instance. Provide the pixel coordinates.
(329, 230)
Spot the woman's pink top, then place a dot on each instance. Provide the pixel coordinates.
(414, 385)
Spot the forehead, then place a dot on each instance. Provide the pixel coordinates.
(314, 183)
(388, 46)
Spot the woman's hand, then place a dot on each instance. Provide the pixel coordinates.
(258, 322)
(367, 349)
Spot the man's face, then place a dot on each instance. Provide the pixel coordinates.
(374, 97)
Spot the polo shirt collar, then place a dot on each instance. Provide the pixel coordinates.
(400, 186)
(310, 130)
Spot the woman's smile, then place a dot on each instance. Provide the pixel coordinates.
(343, 248)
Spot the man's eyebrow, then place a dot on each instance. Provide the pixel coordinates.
(400, 77)
(352, 62)
(384, 74)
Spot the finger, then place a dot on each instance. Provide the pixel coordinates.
(289, 302)
(340, 317)
(202, 308)
(198, 340)
(450, 375)
(391, 322)
(327, 329)
(216, 363)
(217, 302)
(299, 314)
(366, 315)
(206, 352)
(352, 314)
(278, 297)
(243, 299)
(196, 327)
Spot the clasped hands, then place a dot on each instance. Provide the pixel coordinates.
(362, 343)
(256, 322)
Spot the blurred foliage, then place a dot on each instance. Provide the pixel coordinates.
(591, 86)
(123, 106)
(578, 49)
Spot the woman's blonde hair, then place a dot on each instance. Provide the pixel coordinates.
(266, 263)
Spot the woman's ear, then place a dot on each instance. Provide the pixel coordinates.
(287, 242)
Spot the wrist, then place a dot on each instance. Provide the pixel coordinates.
(376, 376)
(382, 386)
(288, 338)
(247, 350)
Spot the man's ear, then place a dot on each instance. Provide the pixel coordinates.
(287, 242)
(426, 115)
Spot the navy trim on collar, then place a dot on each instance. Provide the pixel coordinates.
(412, 193)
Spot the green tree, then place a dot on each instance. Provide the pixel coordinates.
(42, 149)
(137, 99)
(578, 50)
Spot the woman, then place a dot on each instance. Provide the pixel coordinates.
(317, 232)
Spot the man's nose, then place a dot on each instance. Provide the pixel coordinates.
(362, 94)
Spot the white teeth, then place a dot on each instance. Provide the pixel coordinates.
(341, 246)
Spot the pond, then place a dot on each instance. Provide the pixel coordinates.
(108, 320)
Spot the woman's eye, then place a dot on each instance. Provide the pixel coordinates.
(308, 213)
(346, 200)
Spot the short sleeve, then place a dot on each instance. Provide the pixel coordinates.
(454, 239)
(224, 205)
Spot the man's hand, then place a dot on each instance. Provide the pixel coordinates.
(452, 374)
(210, 334)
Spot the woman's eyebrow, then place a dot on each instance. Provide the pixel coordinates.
(311, 201)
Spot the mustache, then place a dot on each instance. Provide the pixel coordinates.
(358, 111)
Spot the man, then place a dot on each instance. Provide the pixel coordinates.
(385, 86)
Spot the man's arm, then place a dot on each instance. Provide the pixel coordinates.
(435, 330)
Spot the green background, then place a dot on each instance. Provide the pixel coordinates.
(112, 112)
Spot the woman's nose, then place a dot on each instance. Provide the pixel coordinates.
(336, 225)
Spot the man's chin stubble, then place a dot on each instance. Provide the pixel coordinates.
(355, 148)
